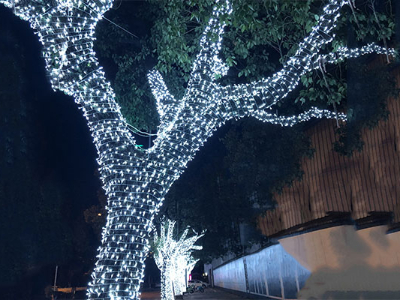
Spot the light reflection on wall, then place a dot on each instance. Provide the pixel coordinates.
(271, 272)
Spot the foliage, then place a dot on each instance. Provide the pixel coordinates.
(366, 105)
(364, 25)
(267, 163)
(126, 61)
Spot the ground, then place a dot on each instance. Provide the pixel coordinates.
(209, 294)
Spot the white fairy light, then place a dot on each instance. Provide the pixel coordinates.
(136, 181)
(174, 259)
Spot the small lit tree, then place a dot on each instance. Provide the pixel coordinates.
(174, 259)
(184, 264)
(136, 181)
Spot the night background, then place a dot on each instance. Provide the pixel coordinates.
(47, 172)
(51, 200)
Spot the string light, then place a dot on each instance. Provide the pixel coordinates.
(135, 180)
(174, 259)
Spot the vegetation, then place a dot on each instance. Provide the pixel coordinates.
(366, 104)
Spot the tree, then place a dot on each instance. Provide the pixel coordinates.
(174, 259)
(136, 181)
(260, 35)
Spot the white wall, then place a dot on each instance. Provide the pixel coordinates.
(345, 264)
(231, 276)
(271, 272)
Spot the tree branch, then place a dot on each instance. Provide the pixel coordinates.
(267, 92)
(343, 53)
(290, 121)
(167, 106)
(207, 62)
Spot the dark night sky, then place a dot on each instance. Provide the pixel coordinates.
(63, 131)
(61, 155)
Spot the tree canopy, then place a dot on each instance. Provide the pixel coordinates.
(261, 36)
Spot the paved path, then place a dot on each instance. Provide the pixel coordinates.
(209, 294)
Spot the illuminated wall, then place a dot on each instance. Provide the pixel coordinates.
(231, 276)
(333, 263)
(271, 272)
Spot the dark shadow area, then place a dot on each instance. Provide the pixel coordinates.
(47, 174)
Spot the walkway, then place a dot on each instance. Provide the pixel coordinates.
(209, 294)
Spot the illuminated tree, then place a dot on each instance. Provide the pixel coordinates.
(136, 180)
(174, 259)
(184, 264)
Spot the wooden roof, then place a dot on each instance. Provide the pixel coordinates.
(335, 188)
